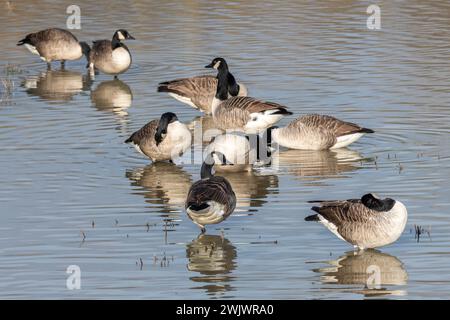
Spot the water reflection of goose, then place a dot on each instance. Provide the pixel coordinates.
(315, 165)
(57, 85)
(251, 188)
(214, 258)
(372, 269)
(318, 132)
(164, 184)
(112, 96)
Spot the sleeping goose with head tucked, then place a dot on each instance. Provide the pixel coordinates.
(317, 132)
(368, 222)
(210, 200)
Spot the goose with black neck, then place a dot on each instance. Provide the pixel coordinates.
(245, 114)
(199, 91)
(111, 57)
(210, 200)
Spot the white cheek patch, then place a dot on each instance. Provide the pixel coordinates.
(120, 36)
(216, 66)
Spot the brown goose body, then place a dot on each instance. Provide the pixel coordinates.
(111, 57)
(368, 222)
(108, 60)
(197, 91)
(247, 114)
(55, 44)
(318, 132)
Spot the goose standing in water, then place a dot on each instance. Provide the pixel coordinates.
(318, 132)
(241, 113)
(199, 91)
(163, 139)
(111, 57)
(55, 44)
(368, 222)
(240, 152)
(210, 200)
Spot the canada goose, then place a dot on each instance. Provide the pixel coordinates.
(163, 139)
(199, 91)
(368, 222)
(318, 132)
(240, 152)
(236, 151)
(55, 44)
(111, 57)
(211, 199)
(242, 113)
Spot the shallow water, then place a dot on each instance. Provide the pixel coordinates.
(67, 175)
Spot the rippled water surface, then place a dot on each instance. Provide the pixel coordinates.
(72, 193)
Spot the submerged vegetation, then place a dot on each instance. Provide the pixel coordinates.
(7, 83)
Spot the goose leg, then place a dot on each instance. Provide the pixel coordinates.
(49, 66)
(92, 71)
(63, 64)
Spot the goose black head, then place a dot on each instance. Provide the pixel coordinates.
(85, 48)
(161, 131)
(122, 34)
(373, 202)
(208, 164)
(218, 64)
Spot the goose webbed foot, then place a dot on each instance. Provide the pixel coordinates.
(202, 230)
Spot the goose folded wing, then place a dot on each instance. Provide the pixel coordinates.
(338, 127)
(343, 212)
(146, 132)
(190, 87)
(253, 105)
(214, 189)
